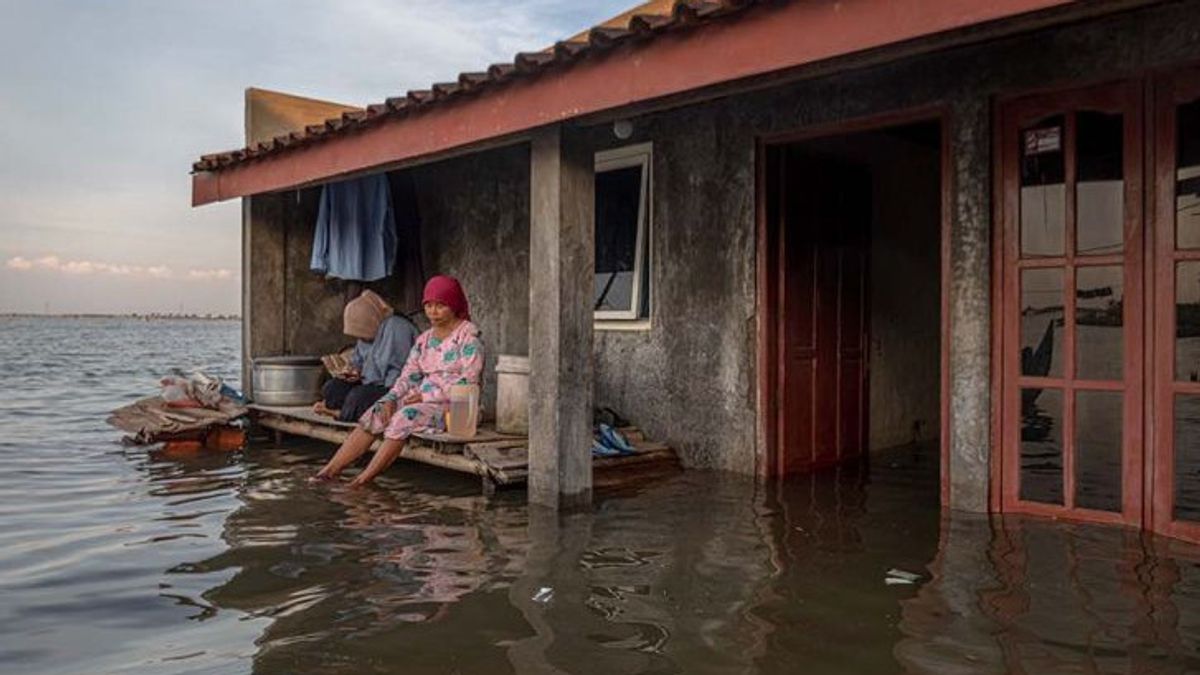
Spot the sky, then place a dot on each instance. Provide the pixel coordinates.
(104, 105)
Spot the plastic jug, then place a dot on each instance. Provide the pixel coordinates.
(463, 415)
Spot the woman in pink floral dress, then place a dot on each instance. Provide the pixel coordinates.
(449, 353)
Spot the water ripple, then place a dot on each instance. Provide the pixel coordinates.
(127, 559)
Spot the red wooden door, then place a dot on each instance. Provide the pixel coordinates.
(826, 212)
(1176, 503)
(1072, 275)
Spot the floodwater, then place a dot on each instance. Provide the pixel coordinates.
(120, 559)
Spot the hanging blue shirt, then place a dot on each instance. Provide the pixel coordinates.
(355, 237)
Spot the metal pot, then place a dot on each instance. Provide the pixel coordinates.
(287, 380)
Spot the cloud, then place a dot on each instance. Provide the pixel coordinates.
(105, 105)
(210, 275)
(53, 263)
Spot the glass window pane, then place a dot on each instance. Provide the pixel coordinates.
(1187, 178)
(1041, 322)
(1187, 458)
(1187, 321)
(1099, 323)
(1041, 446)
(618, 198)
(1100, 185)
(1043, 202)
(1098, 441)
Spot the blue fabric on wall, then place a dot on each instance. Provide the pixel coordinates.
(355, 237)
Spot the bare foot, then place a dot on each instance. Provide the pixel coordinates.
(321, 409)
(321, 477)
(359, 482)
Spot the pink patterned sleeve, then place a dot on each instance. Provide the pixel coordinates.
(411, 375)
(463, 365)
(472, 361)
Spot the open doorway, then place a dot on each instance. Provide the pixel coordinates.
(852, 295)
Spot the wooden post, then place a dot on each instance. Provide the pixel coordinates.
(561, 264)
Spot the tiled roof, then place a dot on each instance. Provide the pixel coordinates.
(642, 23)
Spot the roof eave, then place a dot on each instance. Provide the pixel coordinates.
(761, 41)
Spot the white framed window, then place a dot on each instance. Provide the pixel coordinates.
(623, 188)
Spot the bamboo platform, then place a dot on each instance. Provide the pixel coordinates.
(498, 459)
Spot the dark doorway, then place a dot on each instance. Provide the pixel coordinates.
(852, 293)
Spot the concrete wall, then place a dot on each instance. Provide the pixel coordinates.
(475, 226)
(288, 308)
(689, 379)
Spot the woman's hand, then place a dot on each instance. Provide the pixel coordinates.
(387, 408)
(411, 398)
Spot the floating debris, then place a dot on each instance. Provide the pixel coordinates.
(896, 577)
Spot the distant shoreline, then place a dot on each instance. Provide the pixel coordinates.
(146, 317)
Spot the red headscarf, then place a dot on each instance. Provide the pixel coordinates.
(449, 292)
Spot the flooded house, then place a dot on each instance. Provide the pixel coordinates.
(780, 236)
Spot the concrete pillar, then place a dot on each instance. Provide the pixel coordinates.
(264, 286)
(970, 304)
(247, 298)
(561, 264)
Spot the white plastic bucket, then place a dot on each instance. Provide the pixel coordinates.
(512, 394)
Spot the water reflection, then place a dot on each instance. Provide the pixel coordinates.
(1100, 186)
(1043, 188)
(1098, 444)
(1035, 596)
(701, 573)
(1041, 477)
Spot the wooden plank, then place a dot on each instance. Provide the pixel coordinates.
(503, 458)
(302, 428)
(437, 446)
(633, 434)
(510, 477)
(497, 445)
(453, 462)
(600, 463)
(484, 434)
(646, 446)
(300, 412)
(414, 452)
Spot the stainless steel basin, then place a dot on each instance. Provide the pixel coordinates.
(287, 380)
